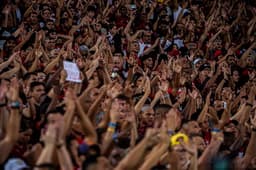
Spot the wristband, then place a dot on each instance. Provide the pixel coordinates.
(174, 140)
(15, 105)
(110, 129)
(220, 139)
(130, 65)
(170, 132)
(248, 104)
(2, 104)
(166, 96)
(215, 130)
(58, 146)
(115, 136)
(112, 125)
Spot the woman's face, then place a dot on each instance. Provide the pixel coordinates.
(139, 82)
(226, 92)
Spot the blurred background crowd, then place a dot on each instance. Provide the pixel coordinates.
(151, 84)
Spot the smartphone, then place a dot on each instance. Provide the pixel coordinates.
(224, 105)
(114, 75)
(133, 7)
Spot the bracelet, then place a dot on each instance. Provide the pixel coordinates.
(170, 132)
(220, 139)
(216, 130)
(112, 125)
(130, 65)
(58, 146)
(110, 129)
(248, 104)
(254, 129)
(166, 96)
(115, 136)
(14, 105)
(3, 104)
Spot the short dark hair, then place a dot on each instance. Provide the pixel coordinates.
(28, 75)
(124, 98)
(164, 106)
(49, 166)
(36, 83)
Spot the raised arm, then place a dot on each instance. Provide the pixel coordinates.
(142, 101)
(13, 125)
(86, 123)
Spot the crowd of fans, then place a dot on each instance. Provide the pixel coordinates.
(160, 84)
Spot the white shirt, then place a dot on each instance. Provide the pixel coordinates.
(142, 47)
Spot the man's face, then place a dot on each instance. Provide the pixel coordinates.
(148, 62)
(53, 118)
(235, 76)
(80, 63)
(161, 112)
(41, 77)
(135, 46)
(102, 163)
(122, 106)
(231, 127)
(38, 92)
(124, 109)
(117, 62)
(194, 128)
(218, 45)
(94, 94)
(148, 116)
(91, 14)
(31, 79)
(10, 44)
(46, 14)
(50, 25)
(33, 18)
(231, 60)
(199, 142)
(98, 27)
(50, 44)
(205, 72)
(183, 157)
(250, 61)
(147, 37)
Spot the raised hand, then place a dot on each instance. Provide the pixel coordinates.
(7, 9)
(172, 119)
(13, 92)
(50, 137)
(70, 98)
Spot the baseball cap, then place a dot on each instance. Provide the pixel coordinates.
(204, 66)
(84, 49)
(197, 60)
(15, 164)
